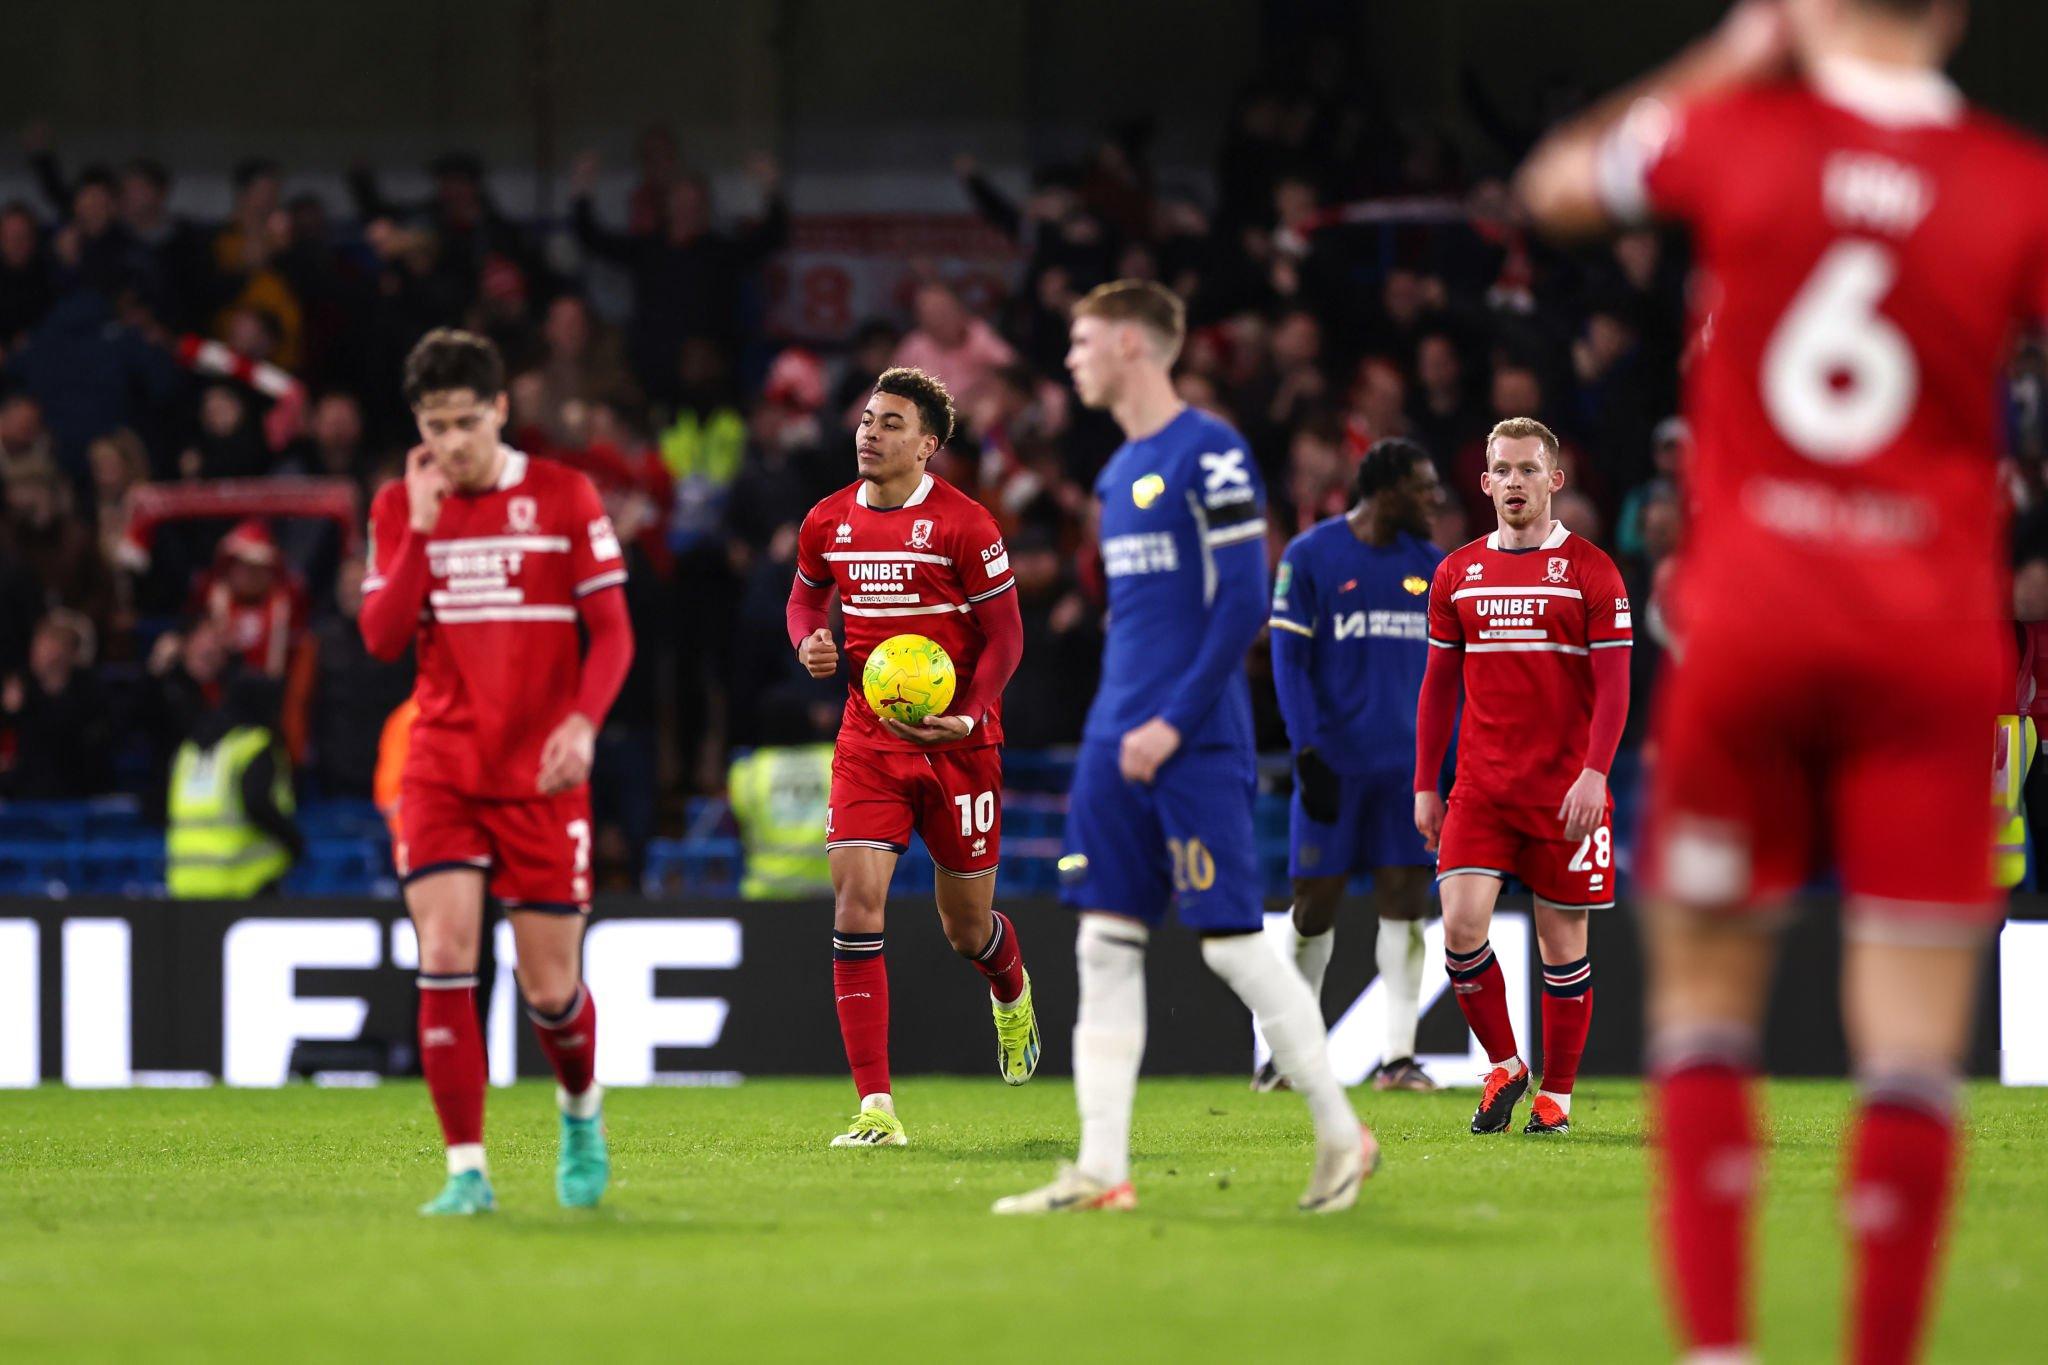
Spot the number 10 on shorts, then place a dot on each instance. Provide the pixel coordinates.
(977, 813)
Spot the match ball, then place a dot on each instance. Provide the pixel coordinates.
(907, 678)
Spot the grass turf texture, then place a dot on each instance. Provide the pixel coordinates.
(280, 1225)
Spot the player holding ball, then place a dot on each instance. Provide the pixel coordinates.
(908, 552)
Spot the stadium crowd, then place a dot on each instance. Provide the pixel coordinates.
(1348, 276)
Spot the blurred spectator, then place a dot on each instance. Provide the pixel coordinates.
(245, 256)
(1670, 447)
(26, 289)
(59, 733)
(333, 446)
(231, 833)
(702, 445)
(583, 362)
(186, 678)
(229, 444)
(57, 548)
(952, 344)
(1062, 642)
(257, 603)
(1440, 412)
(344, 693)
(91, 371)
(687, 276)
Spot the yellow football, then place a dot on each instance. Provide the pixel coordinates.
(907, 678)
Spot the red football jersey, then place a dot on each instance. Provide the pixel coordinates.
(500, 656)
(1867, 244)
(1527, 621)
(915, 569)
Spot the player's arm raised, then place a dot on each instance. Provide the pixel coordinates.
(1436, 709)
(1572, 182)
(599, 566)
(395, 588)
(1234, 538)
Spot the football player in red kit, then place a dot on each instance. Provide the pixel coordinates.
(1536, 623)
(488, 561)
(908, 552)
(1870, 243)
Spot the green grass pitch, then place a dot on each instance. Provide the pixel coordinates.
(279, 1225)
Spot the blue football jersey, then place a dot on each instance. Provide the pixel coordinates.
(1183, 527)
(1351, 640)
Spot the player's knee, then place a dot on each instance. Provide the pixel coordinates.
(549, 994)
(858, 910)
(1109, 947)
(967, 935)
(1315, 907)
(1465, 931)
(447, 950)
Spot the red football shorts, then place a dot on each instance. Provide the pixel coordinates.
(1872, 742)
(1527, 842)
(535, 852)
(952, 797)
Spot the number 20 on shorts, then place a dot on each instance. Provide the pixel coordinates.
(1194, 867)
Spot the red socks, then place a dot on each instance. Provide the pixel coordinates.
(1567, 1017)
(570, 1041)
(1002, 961)
(1483, 995)
(452, 1055)
(1705, 1135)
(860, 986)
(1900, 1175)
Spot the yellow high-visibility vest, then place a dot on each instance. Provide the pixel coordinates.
(211, 850)
(779, 796)
(2018, 738)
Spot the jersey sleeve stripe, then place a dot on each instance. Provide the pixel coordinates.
(1446, 644)
(933, 610)
(813, 582)
(1462, 593)
(1250, 530)
(1007, 584)
(372, 583)
(603, 580)
(1612, 644)
(1279, 624)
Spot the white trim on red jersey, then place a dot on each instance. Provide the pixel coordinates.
(463, 616)
(1525, 647)
(487, 544)
(935, 609)
(1550, 542)
(1890, 96)
(513, 472)
(1463, 593)
(890, 556)
(604, 580)
(924, 488)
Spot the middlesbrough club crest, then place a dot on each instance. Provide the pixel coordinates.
(520, 515)
(1556, 570)
(921, 534)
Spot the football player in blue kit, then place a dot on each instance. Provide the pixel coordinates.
(1161, 808)
(1350, 643)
